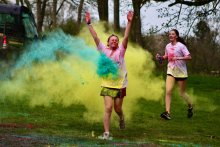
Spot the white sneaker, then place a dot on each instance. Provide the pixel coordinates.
(105, 136)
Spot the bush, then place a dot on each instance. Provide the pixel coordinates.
(70, 27)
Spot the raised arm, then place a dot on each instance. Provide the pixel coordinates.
(128, 28)
(91, 29)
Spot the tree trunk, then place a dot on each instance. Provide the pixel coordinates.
(39, 26)
(79, 19)
(103, 10)
(17, 2)
(54, 15)
(40, 14)
(22, 2)
(116, 16)
(27, 2)
(136, 27)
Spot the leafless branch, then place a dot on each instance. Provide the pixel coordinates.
(191, 3)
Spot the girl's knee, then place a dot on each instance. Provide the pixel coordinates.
(108, 109)
(169, 92)
(118, 109)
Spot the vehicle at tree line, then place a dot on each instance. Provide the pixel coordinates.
(17, 29)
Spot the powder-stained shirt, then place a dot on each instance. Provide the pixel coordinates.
(176, 68)
(118, 57)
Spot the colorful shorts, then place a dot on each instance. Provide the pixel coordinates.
(112, 92)
(176, 72)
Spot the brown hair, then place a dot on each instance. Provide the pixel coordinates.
(112, 36)
(179, 39)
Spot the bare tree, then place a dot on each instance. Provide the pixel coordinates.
(193, 10)
(17, 2)
(136, 31)
(190, 3)
(103, 10)
(80, 8)
(116, 16)
(28, 4)
(54, 13)
(41, 7)
(188, 12)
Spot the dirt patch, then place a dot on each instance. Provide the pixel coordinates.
(24, 141)
(10, 137)
(13, 125)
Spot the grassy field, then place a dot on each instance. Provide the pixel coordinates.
(21, 125)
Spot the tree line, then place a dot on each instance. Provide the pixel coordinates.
(194, 15)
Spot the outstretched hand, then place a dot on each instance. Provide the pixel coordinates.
(130, 15)
(88, 18)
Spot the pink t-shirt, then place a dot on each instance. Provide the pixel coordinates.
(117, 56)
(176, 68)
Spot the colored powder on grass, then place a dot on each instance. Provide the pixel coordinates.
(66, 70)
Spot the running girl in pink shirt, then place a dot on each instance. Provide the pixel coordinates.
(177, 54)
(113, 90)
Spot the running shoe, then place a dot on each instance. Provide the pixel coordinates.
(105, 136)
(165, 115)
(122, 124)
(190, 112)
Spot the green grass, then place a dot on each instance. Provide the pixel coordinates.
(65, 126)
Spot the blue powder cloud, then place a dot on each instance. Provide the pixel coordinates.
(58, 44)
(54, 44)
